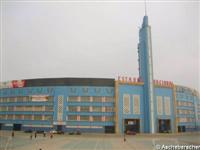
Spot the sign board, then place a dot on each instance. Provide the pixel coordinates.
(39, 98)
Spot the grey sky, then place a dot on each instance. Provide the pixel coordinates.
(98, 39)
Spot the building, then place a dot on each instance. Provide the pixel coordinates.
(127, 104)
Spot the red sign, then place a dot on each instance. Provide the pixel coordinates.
(164, 83)
(129, 79)
(125, 79)
(18, 83)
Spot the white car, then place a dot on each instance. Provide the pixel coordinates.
(53, 131)
(56, 132)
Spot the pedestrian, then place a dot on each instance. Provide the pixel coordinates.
(31, 136)
(44, 134)
(35, 134)
(13, 134)
(51, 135)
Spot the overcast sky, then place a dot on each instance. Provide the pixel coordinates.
(98, 39)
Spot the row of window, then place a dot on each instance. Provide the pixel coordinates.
(186, 90)
(90, 118)
(90, 99)
(183, 103)
(89, 109)
(26, 99)
(26, 117)
(181, 96)
(186, 112)
(127, 104)
(26, 108)
(185, 119)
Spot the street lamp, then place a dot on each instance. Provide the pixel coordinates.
(123, 128)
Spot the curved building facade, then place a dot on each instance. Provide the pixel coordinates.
(126, 104)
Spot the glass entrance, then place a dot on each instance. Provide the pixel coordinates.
(164, 126)
(132, 125)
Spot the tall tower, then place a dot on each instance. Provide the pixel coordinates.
(146, 74)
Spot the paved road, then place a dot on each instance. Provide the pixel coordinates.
(22, 141)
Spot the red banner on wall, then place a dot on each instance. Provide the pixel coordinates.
(18, 83)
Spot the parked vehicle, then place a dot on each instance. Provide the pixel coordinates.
(75, 132)
(78, 132)
(28, 131)
(56, 132)
(131, 133)
(40, 131)
(71, 133)
(53, 131)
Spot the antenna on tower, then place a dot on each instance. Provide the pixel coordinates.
(145, 5)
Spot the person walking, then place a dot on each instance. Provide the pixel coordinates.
(35, 134)
(13, 134)
(51, 135)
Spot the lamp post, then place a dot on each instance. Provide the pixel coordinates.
(123, 128)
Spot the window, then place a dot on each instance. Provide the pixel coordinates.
(136, 104)
(12, 99)
(85, 109)
(126, 104)
(27, 108)
(109, 109)
(10, 117)
(38, 108)
(19, 108)
(109, 118)
(25, 98)
(97, 99)
(84, 118)
(2, 116)
(27, 117)
(10, 108)
(97, 118)
(167, 105)
(48, 108)
(20, 99)
(18, 117)
(48, 117)
(4, 100)
(159, 105)
(96, 109)
(73, 99)
(182, 120)
(109, 99)
(50, 98)
(72, 117)
(72, 108)
(37, 117)
(3, 108)
(85, 99)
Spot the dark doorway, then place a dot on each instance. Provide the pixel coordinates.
(181, 128)
(164, 126)
(59, 127)
(109, 129)
(132, 125)
(17, 127)
(1, 126)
